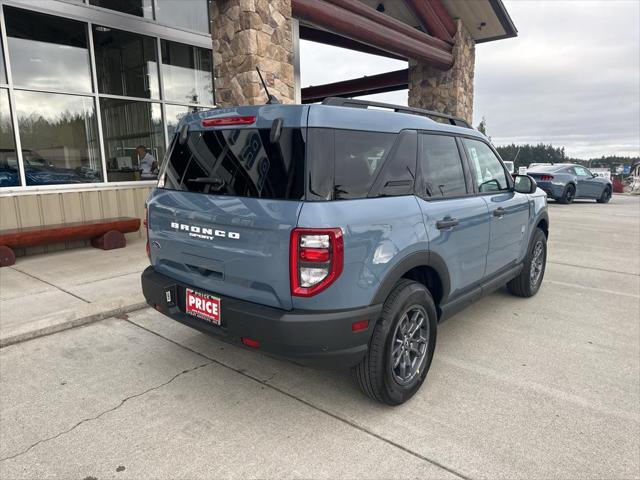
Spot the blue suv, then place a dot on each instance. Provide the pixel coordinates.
(339, 234)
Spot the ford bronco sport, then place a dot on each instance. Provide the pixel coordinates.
(338, 235)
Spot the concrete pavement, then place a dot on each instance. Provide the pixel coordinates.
(43, 294)
(547, 387)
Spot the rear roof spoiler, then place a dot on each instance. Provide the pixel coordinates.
(353, 103)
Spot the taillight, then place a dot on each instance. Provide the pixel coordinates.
(224, 121)
(546, 178)
(146, 226)
(316, 259)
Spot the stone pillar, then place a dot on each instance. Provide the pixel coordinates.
(450, 91)
(248, 34)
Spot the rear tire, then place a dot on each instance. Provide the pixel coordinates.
(568, 195)
(606, 195)
(528, 282)
(397, 361)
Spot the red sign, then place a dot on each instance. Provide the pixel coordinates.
(203, 306)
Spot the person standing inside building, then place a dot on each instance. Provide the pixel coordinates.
(148, 164)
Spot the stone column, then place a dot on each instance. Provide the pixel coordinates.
(248, 34)
(448, 91)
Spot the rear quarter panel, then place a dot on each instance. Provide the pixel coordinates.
(378, 234)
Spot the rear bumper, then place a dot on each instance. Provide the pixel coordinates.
(551, 189)
(322, 339)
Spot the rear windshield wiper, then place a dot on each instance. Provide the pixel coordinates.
(215, 184)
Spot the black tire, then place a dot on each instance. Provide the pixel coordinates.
(524, 285)
(606, 195)
(568, 195)
(376, 375)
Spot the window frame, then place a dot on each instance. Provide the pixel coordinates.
(89, 16)
(420, 186)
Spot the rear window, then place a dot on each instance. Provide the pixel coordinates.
(358, 159)
(240, 163)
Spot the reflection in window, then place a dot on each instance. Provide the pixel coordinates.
(59, 138)
(174, 115)
(139, 8)
(47, 52)
(133, 139)
(9, 173)
(125, 63)
(187, 73)
(190, 14)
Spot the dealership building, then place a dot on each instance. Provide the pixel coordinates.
(91, 91)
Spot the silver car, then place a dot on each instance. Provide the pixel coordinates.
(566, 182)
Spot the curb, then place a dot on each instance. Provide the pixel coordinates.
(72, 323)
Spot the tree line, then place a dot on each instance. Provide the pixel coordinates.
(527, 154)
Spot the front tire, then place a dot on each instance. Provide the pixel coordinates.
(606, 195)
(401, 347)
(528, 282)
(568, 195)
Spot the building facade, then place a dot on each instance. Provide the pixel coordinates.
(91, 91)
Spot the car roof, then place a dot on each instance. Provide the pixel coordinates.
(329, 116)
(550, 168)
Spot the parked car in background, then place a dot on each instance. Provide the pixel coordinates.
(564, 182)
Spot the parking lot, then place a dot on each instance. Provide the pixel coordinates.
(540, 388)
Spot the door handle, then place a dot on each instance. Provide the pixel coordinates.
(499, 212)
(447, 222)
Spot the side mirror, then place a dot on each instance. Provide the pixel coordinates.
(525, 184)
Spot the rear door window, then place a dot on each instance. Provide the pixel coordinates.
(239, 162)
(441, 166)
(358, 159)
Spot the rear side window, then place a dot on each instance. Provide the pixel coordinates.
(441, 166)
(358, 159)
(239, 162)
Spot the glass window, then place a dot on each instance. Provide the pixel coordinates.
(126, 63)
(175, 114)
(59, 138)
(442, 171)
(399, 171)
(133, 139)
(489, 175)
(582, 172)
(47, 52)
(190, 14)
(139, 8)
(187, 73)
(239, 162)
(9, 173)
(358, 159)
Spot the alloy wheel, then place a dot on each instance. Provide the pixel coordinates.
(409, 347)
(537, 264)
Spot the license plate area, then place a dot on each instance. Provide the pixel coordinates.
(203, 306)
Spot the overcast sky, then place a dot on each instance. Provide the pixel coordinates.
(571, 78)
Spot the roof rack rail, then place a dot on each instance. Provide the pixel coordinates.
(350, 102)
